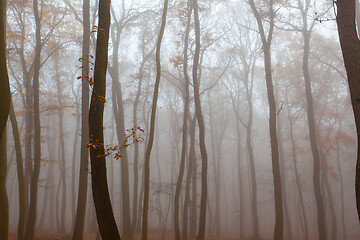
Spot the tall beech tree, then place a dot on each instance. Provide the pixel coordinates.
(4, 112)
(200, 119)
(144, 233)
(84, 152)
(4, 78)
(31, 219)
(266, 39)
(350, 44)
(186, 99)
(103, 208)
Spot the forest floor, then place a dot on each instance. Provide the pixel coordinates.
(151, 236)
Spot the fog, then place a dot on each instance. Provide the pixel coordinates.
(275, 110)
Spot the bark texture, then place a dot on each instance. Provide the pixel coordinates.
(350, 45)
(103, 208)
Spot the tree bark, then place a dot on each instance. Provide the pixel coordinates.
(4, 110)
(103, 208)
(350, 44)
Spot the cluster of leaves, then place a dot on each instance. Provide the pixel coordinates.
(131, 137)
(87, 78)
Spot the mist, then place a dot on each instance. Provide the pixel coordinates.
(178, 120)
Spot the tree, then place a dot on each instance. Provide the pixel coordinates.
(350, 44)
(84, 152)
(4, 110)
(152, 126)
(31, 220)
(103, 208)
(266, 46)
(186, 100)
(200, 119)
(20, 172)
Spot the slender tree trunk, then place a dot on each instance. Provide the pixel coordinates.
(20, 173)
(144, 235)
(84, 153)
(341, 178)
(118, 109)
(31, 220)
(313, 141)
(62, 149)
(200, 119)
(297, 176)
(193, 163)
(184, 128)
(240, 182)
(350, 44)
(103, 208)
(266, 44)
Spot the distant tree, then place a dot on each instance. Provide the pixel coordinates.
(20, 172)
(200, 120)
(144, 234)
(103, 208)
(350, 44)
(266, 39)
(84, 152)
(31, 220)
(4, 112)
(186, 99)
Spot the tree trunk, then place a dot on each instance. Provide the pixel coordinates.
(84, 153)
(200, 119)
(4, 78)
(103, 208)
(184, 128)
(118, 109)
(20, 173)
(4, 205)
(144, 234)
(31, 220)
(297, 177)
(266, 44)
(350, 44)
(312, 134)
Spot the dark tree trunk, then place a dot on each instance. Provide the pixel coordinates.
(103, 208)
(4, 110)
(350, 44)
